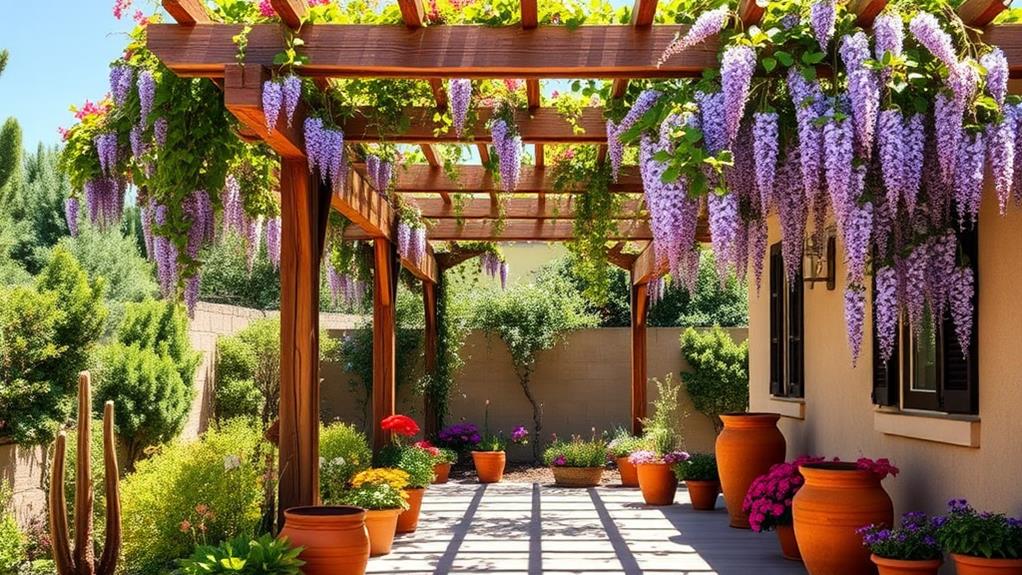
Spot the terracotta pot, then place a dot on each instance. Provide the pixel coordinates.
(577, 476)
(334, 538)
(489, 465)
(703, 494)
(749, 444)
(441, 473)
(836, 500)
(969, 565)
(382, 525)
(409, 518)
(657, 482)
(629, 476)
(789, 545)
(902, 567)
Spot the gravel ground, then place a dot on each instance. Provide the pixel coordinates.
(525, 473)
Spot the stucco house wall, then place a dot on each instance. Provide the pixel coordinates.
(837, 417)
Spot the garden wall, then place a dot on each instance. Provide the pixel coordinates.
(23, 469)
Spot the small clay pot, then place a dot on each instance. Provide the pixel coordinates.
(441, 473)
(969, 565)
(658, 483)
(903, 567)
(489, 465)
(629, 475)
(333, 539)
(703, 494)
(408, 521)
(382, 526)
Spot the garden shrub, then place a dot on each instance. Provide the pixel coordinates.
(244, 555)
(12, 542)
(216, 480)
(47, 335)
(344, 451)
(719, 380)
(161, 326)
(115, 257)
(151, 401)
(235, 393)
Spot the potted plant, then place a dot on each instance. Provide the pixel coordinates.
(380, 491)
(413, 460)
(981, 543)
(577, 463)
(333, 538)
(620, 447)
(699, 472)
(912, 549)
(746, 448)
(461, 437)
(488, 456)
(443, 458)
(657, 480)
(835, 501)
(661, 440)
(768, 503)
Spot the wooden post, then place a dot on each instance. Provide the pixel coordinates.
(384, 338)
(304, 209)
(429, 300)
(639, 292)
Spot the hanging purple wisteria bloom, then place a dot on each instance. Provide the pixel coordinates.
(914, 284)
(404, 239)
(736, 69)
(146, 216)
(855, 318)
(969, 178)
(121, 81)
(509, 153)
(234, 211)
(104, 201)
(913, 137)
(459, 97)
(199, 211)
(291, 91)
(384, 175)
(888, 37)
(725, 221)
(615, 149)
(947, 122)
(504, 269)
(146, 94)
(808, 100)
(160, 129)
(891, 144)
(857, 230)
(822, 17)
(792, 209)
(864, 95)
(253, 232)
(854, 50)
(165, 256)
(191, 294)
(273, 241)
(106, 149)
(837, 148)
(885, 310)
(997, 74)
(1016, 116)
(273, 100)
(927, 31)
(942, 251)
(135, 139)
(708, 24)
(420, 244)
(962, 289)
(765, 146)
(71, 215)
(757, 248)
(1001, 150)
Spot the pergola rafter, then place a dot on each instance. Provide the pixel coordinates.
(198, 47)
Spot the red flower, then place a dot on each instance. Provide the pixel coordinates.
(428, 447)
(400, 424)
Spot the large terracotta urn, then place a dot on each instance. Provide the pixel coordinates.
(333, 539)
(657, 482)
(408, 521)
(629, 475)
(969, 565)
(749, 444)
(489, 465)
(837, 499)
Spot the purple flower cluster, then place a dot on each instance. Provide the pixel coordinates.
(459, 97)
(165, 253)
(736, 69)
(765, 146)
(891, 145)
(888, 37)
(160, 129)
(324, 147)
(725, 222)
(344, 287)
(71, 215)
(106, 149)
(837, 148)
(793, 210)
(822, 18)
(253, 232)
(198, 209)
(914, 285)
(234, 212)
(961, 298)
(411, 241)
(273, 241)
(854, 50)
(520, 435)
(943, 253)
(104, 201)
(657, 290)
(135, 139)
(146, 94)
(855, 318)
(380, 173)
(1016, 115)
(885, 310)
(913, 137)
(996, 66)
(1001, 149)
(292, 92)
(927, 31)
(947, 123)
(459, 436)
(864, 95)
(273, 101)
(121, 80)
(708, 24)
(915, 540)
(857, 230)
(615, 147)
(809, 107)
(757, 234)
(508, 146)
(968, 182)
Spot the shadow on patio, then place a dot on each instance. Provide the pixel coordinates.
(530, 529)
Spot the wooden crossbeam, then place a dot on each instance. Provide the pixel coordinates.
(554, 208)
(515, 231)
(866, 11)
(541, 125)
(420, 178)
(426, 270)
(619, 258)
(751, 11)
(243, 97)
(412, 13)
(643, 14)
(436, 85)
(360, 203)
(187, 12)
(360, 51)
(646, 267)
(291, 12)
(431, 158)
(980, 13)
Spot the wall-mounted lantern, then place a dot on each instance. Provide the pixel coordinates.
(820, 260)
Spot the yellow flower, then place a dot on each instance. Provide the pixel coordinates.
(396, 478)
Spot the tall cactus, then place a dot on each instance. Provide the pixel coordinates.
(83, 560)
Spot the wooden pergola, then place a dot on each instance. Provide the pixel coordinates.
(197, 47)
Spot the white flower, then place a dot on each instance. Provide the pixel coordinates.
(338, 461)
(232, 462)
(322, 461)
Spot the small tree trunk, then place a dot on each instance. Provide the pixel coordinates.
(537, 414)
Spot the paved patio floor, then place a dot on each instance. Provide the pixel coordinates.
(521, 528)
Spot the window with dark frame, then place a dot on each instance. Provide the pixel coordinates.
(787, 365)
(930, 371)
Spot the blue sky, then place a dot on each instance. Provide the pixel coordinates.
(60, 54)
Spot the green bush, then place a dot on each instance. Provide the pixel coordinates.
(113, 256)
(576, 453)
(12, 542)
(662, 431)
(47, 335)
(151, 401)
(719, 380)
(246, 556)
(161, 326)
(698, 467)
(418, 464)
(344, 452)
(623, 443)
(216, 480)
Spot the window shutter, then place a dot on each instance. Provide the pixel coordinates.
(886, 384)
(959, 378)
(796, 344)
(776, 271)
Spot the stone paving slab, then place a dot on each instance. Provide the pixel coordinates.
(532, 529)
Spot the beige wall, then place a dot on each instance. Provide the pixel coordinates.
(23, 468)
(582, 383)
(839, 416)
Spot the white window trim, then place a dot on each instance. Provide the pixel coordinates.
(951, 429)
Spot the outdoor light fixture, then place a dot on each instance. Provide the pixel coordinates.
(820, 259)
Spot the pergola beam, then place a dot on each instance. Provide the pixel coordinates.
(421, 178)
(514, 231)
(243, 97)
(367, 51)
(187, 12)
(554, 208)
(647, 267)
(291, 12)
(980, 13)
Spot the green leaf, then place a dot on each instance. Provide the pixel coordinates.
(784, 58)
(769, 64)
(812, 58)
